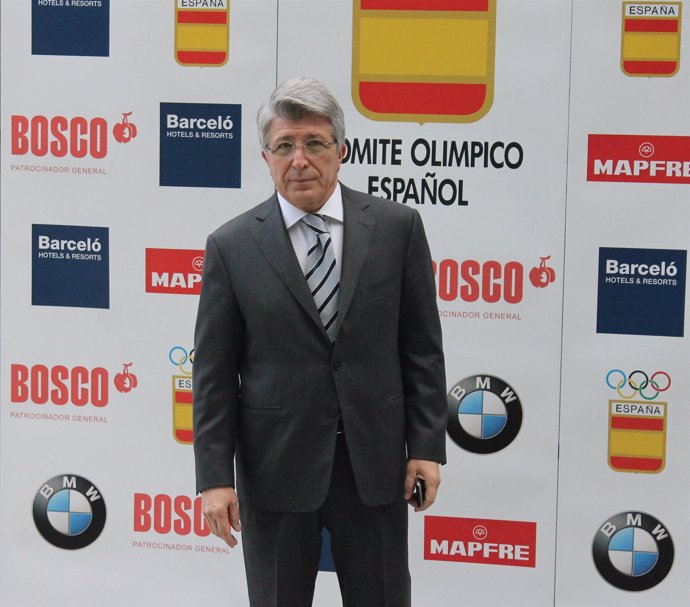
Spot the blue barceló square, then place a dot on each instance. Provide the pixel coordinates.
(70, 27)
(201, 145)
(70, 266)
(641, 291)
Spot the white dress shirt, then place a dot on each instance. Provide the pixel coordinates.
(301, 235)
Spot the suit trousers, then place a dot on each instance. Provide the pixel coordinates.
(369, 545)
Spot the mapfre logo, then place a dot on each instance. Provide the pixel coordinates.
(639, 158)
(174, 271)
(60, 136)
(483, 541)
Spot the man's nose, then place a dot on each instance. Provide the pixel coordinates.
(299, 158)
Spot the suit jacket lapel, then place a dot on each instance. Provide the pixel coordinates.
(358, 231)
(274, 242)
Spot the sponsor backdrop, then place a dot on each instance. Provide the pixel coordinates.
(545, 145)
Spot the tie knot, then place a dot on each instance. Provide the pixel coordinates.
(316, 222)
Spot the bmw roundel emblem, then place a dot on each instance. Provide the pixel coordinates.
(69, 511)
(484, 414)
(633, 551)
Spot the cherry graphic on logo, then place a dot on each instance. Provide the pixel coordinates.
(125, 130)
(542, 276)
(125, 381)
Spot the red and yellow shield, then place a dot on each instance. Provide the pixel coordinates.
(202, 32)
(423, 60)
(637, 436)
(650, 41)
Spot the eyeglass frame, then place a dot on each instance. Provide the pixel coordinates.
(294, 146)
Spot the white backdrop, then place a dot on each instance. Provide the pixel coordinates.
(103, 225)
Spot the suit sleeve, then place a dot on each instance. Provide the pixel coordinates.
(421, 353)
(218, 342)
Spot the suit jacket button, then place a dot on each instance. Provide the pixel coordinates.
(337, 364)
(332, 412)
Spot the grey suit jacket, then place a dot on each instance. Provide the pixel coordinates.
(268, 384)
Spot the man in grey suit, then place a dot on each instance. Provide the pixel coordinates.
(318, 370)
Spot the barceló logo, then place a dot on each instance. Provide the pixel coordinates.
(60, 136)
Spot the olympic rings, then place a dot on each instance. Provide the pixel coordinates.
(639, 388)
(182, 358)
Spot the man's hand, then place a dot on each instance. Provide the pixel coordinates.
(430, 473)
(222, 511)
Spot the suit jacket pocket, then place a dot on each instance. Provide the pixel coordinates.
(261, 408)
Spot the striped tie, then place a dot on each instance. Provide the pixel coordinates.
(323, 274)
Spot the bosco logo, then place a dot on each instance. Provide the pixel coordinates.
(490, 281)
(62, 385)
(60, 136)
(166, 514)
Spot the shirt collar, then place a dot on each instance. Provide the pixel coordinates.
(333, 209)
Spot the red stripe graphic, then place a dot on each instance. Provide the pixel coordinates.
(649, 67)
(205, 57)
(637, 423)
(425, 5)
(202, 17)
(651, 25)
(422, 97)
(637, 463)
(183, 397)
(184, 436)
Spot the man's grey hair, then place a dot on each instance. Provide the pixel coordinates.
(297, 98)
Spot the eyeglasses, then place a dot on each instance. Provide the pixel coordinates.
(313, 147)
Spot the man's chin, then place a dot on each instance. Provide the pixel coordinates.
(305, 198)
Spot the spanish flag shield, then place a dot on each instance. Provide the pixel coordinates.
(650, 39)
(202, 29)
(423, 60)
(637, 436)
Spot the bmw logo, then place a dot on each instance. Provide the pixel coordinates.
(69, 511)
(633, 551)
(484, 414)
